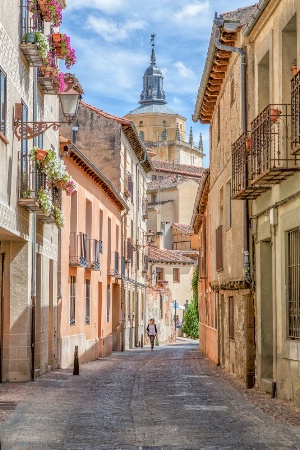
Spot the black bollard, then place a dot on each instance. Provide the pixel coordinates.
(76, 361)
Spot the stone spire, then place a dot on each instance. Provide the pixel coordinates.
(153, 92)
(191, 139)
(200, 144)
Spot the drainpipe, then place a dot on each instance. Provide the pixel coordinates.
(33, 277)
(220, 22)
(122, 283)
(136, 316)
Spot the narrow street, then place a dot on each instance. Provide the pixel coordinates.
(171, 398)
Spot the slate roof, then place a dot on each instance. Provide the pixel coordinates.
(162, 255)
(153, 108)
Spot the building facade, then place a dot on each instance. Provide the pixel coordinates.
(113, 146)
(89, 306)
(28, 234)
(228, 297)
(271, 162)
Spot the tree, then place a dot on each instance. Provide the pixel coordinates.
(191, 316)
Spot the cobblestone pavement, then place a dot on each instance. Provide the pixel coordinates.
(171, 398)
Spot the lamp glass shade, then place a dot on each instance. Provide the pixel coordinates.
(70, 102)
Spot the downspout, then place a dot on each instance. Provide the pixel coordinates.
(136, 316)
(219, 22)
(122, 283)
(33, 277)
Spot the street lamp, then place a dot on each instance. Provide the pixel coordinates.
(69, 100)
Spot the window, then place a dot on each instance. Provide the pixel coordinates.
(219, 248)
(176, 275)
(142, 135)
(294, 283)
(153, 177)
(231, 317)
(159, 274)
(228, 205)
(72, 299)
(108, 304)
(87, 302)
(141, 123)
(2, 102)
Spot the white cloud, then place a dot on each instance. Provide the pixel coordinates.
(112, 31)
(191, 10)
(177, 101)
(106, 6)
(184, 71)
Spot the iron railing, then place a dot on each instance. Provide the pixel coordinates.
(271, 158)
(32, 179)
(92, 254)
(295, 113)
(78, 249)
(113, 271)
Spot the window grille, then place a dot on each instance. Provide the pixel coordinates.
(72, 299)
(294, 283)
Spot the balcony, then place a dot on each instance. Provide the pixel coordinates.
(93, 251)
(113, 265)
(295, 113)
(264, 156)
(78, 250)
(271, 160)
(241, 189)
(45, 79)
(33, 181)
(28, 46)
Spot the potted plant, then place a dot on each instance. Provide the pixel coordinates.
(49, 10)
(38, 153)
(58, 81)
(54, 167)
(294, 67)
(63, 49)
(274, 114)
(44, 200)
(70, 186)
(59, 218)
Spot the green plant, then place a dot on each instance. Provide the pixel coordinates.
(59, 218)
(44, 200)
(42, 45)
(191, 317)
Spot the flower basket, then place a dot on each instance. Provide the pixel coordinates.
(60, 184)
(56, 39)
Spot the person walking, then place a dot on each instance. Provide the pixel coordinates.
(151, 332)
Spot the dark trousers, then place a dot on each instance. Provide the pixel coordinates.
(152, 337)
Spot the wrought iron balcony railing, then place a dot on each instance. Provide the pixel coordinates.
(241, 188)
(113, 270)
(78, 249)
(32, 180)
(264, 156)
(93, 250)
(271, 160)
(295, 113)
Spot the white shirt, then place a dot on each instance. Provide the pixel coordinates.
(151, 331)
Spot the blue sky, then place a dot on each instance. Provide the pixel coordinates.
(112, 43)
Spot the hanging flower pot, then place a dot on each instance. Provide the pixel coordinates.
(274, 114)
(58, 51)
(56, 39)
(41, 154)
(60, 184)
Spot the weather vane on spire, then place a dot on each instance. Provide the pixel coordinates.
(152, 39)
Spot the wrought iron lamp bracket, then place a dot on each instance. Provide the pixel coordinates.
(29, 130)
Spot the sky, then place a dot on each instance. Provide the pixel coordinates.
(112, 43)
